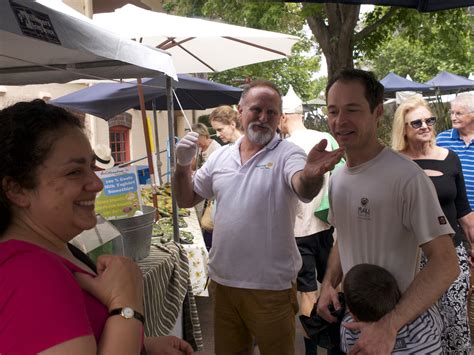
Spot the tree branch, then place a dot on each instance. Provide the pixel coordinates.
(367, 30)
(320, 30)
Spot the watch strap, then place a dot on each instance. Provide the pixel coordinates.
(136, 315)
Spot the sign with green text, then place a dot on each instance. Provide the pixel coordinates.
(121, 194)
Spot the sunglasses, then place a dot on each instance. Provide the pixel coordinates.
(430, 121)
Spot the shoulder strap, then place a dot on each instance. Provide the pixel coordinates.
(80, 255)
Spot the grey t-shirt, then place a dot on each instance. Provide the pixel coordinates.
(383, 210)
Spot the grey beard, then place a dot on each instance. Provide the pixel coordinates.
(260, 138)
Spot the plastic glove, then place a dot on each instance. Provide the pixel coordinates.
(186, 149)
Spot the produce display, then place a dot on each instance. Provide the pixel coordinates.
(165, 208)
(163, 228)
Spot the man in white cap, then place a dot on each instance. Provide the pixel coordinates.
(313, 233)
(103, 157)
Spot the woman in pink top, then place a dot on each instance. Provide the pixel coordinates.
(53, 300)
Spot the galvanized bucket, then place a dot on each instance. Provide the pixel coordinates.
(136, 234)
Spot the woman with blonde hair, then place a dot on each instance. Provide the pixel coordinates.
(413, 135)
(226, 123)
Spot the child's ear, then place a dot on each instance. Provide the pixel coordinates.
(15, 193)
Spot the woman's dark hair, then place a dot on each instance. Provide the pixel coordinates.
(373, 89)
(27, 135)
(370, 291)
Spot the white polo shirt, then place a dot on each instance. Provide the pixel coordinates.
(253, 243)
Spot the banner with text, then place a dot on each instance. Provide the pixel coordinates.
(121, 194)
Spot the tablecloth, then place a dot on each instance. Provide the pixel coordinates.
(197, 255)
(166, 289)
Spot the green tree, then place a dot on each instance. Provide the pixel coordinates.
(344, 39)
(423, 44)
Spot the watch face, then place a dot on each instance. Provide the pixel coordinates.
(127, 312)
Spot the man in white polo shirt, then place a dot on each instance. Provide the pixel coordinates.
(254, 259)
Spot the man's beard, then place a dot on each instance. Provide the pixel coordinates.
(258, 137)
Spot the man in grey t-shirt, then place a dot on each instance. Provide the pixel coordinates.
(382, 207)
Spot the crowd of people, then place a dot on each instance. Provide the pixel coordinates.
(294, 210)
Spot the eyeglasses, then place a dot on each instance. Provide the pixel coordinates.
(458, 114)
(430, 121)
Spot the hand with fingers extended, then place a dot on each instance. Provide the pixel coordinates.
(186, 149)
(377, 338)
(328, 299)
(320, 160)
(119, 282)
(167, 345)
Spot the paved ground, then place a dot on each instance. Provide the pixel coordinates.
(204, 305)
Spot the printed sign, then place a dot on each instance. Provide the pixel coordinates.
(121, 194)
(34, 23)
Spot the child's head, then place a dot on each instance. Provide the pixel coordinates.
(370, 292)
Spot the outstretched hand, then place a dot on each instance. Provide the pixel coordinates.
(320, 160)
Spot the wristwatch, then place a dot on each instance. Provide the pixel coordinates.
(127, 313)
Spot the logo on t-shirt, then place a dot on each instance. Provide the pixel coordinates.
(265, 166)
(442, 220)
(364, 211)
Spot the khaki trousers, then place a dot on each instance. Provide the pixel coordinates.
(240, 315)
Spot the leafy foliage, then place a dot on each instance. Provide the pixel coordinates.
(419, 44)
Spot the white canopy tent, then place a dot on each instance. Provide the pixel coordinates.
(198, 46)
(39, 45)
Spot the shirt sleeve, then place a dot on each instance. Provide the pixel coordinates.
(41, 304)
(422, 212)
(295, 162)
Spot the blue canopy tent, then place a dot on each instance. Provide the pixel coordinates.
(446, 82)
(106, 100)
(420, 5)
(393, 83)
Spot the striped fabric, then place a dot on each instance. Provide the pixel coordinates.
(450, 139)
(166, 289)
(422, 336)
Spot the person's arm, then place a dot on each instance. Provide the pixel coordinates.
(332, 279)
(427, 287)
(183, 183)
(118, 284)
(167, 345)
(467, 225)
(308, 182)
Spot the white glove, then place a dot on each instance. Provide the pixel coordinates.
(186, 149)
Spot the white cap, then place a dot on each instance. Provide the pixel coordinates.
(291, 102)
(103, 156)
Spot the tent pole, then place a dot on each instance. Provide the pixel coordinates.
(147, 142)
(169, 103)
(157, 141)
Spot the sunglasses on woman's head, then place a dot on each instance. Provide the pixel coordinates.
(430, 121)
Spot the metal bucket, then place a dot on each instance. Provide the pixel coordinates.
(136, 234)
